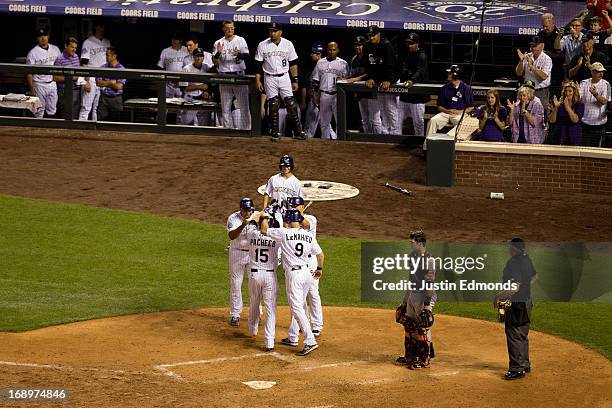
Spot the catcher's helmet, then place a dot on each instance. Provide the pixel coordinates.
(455, 71)
(246, 204)
(295, 201)
(292, 215)
(286, 161)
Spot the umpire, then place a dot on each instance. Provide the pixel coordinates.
(519, 270)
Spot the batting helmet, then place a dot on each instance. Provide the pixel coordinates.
(455, 71)
(292, 215)
(360, 40)
(246, 204)
(295, 201)
(285, 161)
(317, 48)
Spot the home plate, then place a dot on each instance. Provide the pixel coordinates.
(259, 385)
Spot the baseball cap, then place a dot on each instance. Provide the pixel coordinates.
(317, 48)
(275, 27)
(373, 30)
(529, 84)
(42, 31)
(413, 38)
(586, 37)
(597, 66)
(360, 40)
(517, 243)
(198, 52)
(535, 40)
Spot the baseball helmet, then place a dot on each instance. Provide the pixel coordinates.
(295, 201)
(455, 71)
(286, 161)
(246, 204)
(360, 40)
(317, 48)
(292, 215)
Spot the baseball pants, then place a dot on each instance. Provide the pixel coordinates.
(174, 91)
(315, 313)
(364, 110)
(47, 94)
(263, 287)
(275, 86)
(327, 109)
(238, 265)
(89, 101)
(416, 112)
(414, 305)
(517, 324)
(312, 119)
(440, 121)
(297, 284)
(375, 115)
(194, 117)
(227, 94)
(389, 113)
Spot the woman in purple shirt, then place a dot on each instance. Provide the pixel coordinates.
(492, 118)
(566, 114)
(527, 117)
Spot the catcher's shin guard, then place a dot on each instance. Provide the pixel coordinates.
(273, 107)
(292, 111)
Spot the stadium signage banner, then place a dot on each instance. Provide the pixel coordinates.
(502, 17)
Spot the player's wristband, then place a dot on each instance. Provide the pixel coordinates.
(319, 268)
(295, 79)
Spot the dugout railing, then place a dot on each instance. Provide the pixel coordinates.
(146, 107)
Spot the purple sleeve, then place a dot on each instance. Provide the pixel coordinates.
(579, 109)
(469, 96)
(503, 114)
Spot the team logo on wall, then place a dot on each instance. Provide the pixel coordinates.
(470, 11)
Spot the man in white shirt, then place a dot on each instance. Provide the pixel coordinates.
(202, 62)
(93, 54)
(171, 59)
(536, 66)
(281, 186)
(43, 86)
(595, 94)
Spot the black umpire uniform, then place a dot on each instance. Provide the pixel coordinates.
(519, 269)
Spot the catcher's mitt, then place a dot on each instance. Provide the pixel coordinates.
(502, 306)
(426, 319)
(400, 313)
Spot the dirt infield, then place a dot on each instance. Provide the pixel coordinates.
(195, 359)
(204, 178)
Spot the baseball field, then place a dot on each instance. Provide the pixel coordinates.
(114, 281)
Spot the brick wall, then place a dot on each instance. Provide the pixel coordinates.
(550, 169)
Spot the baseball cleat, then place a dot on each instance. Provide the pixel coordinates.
(307, 350)
(275, 137)
(268, 349)
(514, 375)
(401, 360)
(301, 135)
(316, 333)
(235, 321)
(288, 342)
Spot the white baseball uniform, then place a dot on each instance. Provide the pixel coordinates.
(44, 86)
(296, 245)
(327, 72)
(280, 188)
(171, 59)
(229, 64)
(263, 285)
(93, 50)
(238, 261)
(193, 117)
(275, 59)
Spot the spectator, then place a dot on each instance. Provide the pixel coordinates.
(69, 58)
(549, 33)
(580, 65)
(202, 62)
(414, 70)
(595, 94)
(566, 114)
(454, 97)
(492, 118)
(526, 117)
(43, 86)
(597, 8)
(536, 66)
(599, 34)
(111, 92)
(570, 44)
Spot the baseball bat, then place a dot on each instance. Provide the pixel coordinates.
(308, 205)
(398, 189)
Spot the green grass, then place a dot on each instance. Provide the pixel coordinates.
(62, 263)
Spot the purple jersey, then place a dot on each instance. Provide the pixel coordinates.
(107, 90)
(65, 61)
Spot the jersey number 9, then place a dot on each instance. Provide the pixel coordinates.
(299, 247)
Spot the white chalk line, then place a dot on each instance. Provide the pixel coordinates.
(66, 368)
(444, 374)
(341, 364)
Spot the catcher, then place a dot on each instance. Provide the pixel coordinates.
(415, 311)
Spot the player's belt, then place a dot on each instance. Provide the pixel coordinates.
(298, 268)
(329, 93)
(41, 82)
(276, 75)
(263, 270)
(243, 250)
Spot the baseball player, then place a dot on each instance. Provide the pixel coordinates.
(171, 59)
(93, 54)
(312, 111)
(276, 58)
(230, 53)
(324, 77)
(282, 185)
(357, 67)
(238, 228)
(43, 86)
(263, 285)
(191, 43)
(309, 223)
(380, 71)
(414, 70)
(297, 245)
(202, 62)
(418, 346)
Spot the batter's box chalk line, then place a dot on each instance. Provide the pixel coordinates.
(66, 368)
